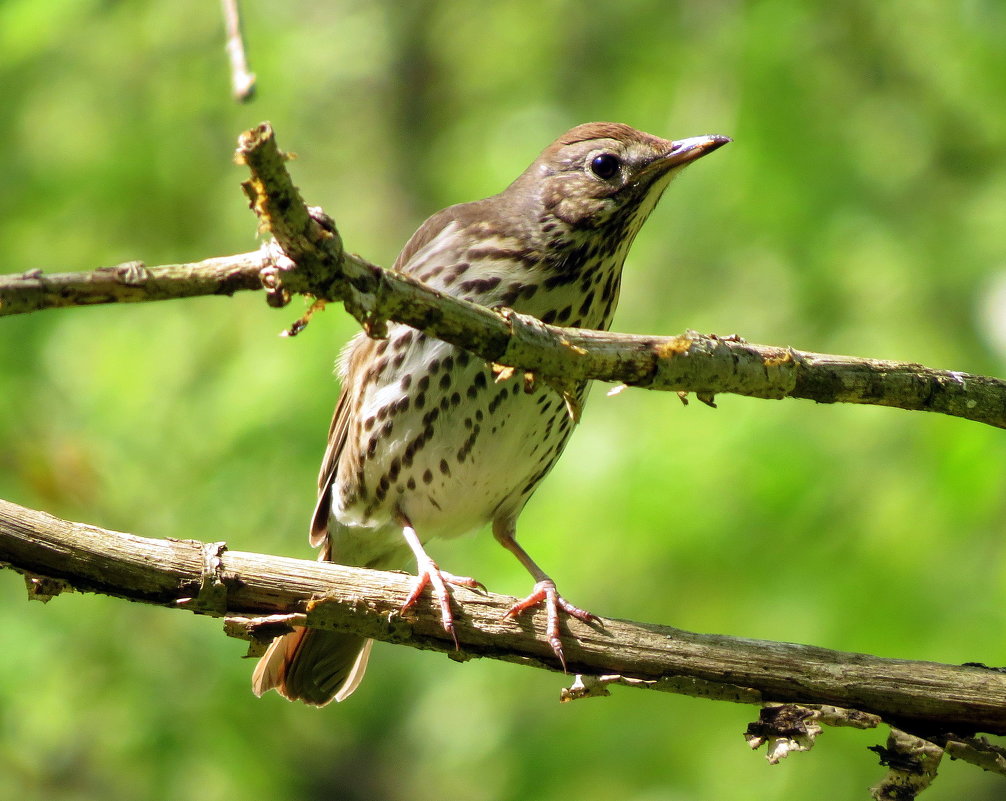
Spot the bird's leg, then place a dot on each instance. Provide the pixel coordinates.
(544, 590)
(427, 572)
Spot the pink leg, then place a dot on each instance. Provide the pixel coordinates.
(544, 591)
(429, 574)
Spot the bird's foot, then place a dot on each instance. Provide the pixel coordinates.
(429, 574)
(545, 591)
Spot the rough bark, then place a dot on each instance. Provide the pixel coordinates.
(208, 578)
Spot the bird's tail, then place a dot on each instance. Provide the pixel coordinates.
(313, 666)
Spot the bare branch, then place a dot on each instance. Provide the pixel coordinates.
(308, 257)
(911, 762)
(976, 750)
(132, 282)
(207, 578)
(242, 80)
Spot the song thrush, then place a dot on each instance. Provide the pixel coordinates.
(425, 442)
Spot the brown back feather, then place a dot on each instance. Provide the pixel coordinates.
(464, 214)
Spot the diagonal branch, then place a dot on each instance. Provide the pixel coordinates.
(307, 257)
(207, 578)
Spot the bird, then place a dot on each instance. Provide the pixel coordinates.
(426, 440)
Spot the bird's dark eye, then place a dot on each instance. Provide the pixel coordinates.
(605, 166)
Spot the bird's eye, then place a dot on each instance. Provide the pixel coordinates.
(605, 166)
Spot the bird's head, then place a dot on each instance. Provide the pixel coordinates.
(604, 172)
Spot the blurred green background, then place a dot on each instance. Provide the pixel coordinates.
(861, 209)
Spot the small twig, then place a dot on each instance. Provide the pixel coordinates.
(911, 764)
(242, 81)
(976, 750)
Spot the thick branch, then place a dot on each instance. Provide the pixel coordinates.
(921, 697)
(308, 258)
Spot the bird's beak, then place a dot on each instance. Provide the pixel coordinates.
(684, 151)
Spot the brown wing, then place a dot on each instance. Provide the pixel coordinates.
(329, 466)
(359, 349)
(464, 214)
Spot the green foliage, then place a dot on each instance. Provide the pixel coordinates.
(859, 210)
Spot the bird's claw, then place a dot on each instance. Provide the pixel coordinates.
(545, 591)
(437, 579)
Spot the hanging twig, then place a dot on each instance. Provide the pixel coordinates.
(242, 81)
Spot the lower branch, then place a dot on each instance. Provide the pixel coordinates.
(207, 578)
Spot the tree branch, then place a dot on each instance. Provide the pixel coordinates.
(132, 282)
(242, 79)
(207, 578)
(307, 257)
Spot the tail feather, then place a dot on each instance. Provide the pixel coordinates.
(313, 666)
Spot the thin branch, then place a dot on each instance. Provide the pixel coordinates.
(912, 763)
(976, 750)
(242, 80)
(208, 578)
(132, 282)
(308, 257)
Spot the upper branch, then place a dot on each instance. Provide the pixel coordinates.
(132, 282)
(308, 257)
